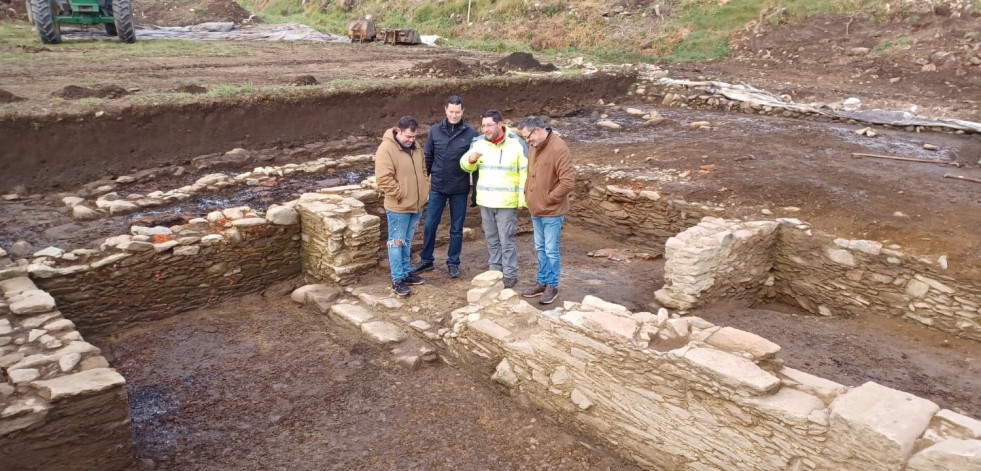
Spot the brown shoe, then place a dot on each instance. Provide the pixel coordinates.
(548, 295)
(534, 291)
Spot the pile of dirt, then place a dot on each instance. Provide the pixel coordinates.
(185, 13)
(192, 89)
(304, 80)
(451, 68)
(13, 10)
(32, 49)
(74, 92)
(525, 62)
(7, 97)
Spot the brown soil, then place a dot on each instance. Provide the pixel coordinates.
(12, 10)
(192, 89)
(304, 80)
(74, 92)
(33, 49)
(524, 61)
(184, 13)
(451, 67)
(7, 97)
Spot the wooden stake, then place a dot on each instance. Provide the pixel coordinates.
(962, 177)
(890, 157)
(468, 11)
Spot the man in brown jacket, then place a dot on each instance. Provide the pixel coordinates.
(550, 180)
(400, 171)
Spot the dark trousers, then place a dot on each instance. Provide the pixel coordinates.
(434, 214)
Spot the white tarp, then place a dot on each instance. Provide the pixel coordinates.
(753, 96)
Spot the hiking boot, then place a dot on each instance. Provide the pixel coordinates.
(413, 280)
(421, 267)
(510, 282)
(454, 270)
(549, 295)
(401, 289)
(534, 291)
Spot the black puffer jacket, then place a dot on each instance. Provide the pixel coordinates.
(443, 151)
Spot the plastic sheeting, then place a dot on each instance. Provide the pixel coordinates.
(754, 96)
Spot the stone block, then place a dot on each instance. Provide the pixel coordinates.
(383, 332)
(606, 322)
(948, 455)
(17, 285)
(732, 371)
(79, 384)
(879, 424)
(601, 305)
(31, 302)
(949, 424)
(916, 288)
(282, 215)
(354, 314)
(825, 389)
(504, 374)
(787, 405)
(491, 329)
(735, 340)
(841, 257)
(487, 279)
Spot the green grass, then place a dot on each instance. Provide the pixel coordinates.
(225, 91)
(903, 41)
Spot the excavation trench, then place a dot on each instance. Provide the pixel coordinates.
(223, 370)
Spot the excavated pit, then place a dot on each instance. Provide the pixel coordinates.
(209, 379)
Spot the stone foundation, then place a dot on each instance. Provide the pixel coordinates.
(61, 406)
(340, 239)
(160, 271)
(824, 275)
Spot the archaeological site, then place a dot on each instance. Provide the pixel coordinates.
(772, 260)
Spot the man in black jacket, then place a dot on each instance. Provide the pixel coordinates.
(447, 142)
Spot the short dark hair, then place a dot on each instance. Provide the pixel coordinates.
(531, 123)
(493, 114)
(408, 122)
(454, 100)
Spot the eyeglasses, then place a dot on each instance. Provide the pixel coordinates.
(529, 134)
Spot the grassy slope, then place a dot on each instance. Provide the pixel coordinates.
(680, 30)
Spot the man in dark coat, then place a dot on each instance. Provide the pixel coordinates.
(447, 142)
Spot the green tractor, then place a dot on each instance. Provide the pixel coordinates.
(48, 15)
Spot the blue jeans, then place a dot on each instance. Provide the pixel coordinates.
(434, 213)
(547, 232)
(401, 229)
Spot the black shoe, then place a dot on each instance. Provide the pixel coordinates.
(454, 270)
(510, 282)
(421, 267)
(401, 289)
(534, 291)
(413, 280)
(549, 295)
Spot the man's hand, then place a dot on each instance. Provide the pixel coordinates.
(474, 157)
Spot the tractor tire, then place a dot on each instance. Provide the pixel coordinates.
(122, 12)
(47, 28)
(110, 27)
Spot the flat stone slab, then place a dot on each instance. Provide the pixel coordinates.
(86, 382)
(735, 340)
(954, 454)
(383, 332)
(487, 279)
(882, 422)
(733, 371)
(31, 302)
(354, 314)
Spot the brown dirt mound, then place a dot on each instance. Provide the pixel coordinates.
(13, 10)
(7, 97)
(192, 89)
(523, 61)
(304, 80)
(450, 68)
(74, 92)
(184, 12)
(32, 49)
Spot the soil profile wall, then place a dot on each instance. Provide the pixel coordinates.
(53, 151)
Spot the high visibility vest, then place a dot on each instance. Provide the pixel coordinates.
(503, 171)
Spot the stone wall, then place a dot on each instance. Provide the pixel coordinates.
(159, 271)
(679, 393)
(61, 406)
(824, 275)
(340, 239)
(642, 217)
(717, 259)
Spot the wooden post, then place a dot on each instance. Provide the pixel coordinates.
(468, 11)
